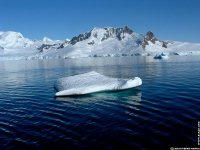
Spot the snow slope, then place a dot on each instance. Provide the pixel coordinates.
(184, 48)
(14, 40)
(100, 42)
(13, 45)
(93, 82)
(114, 42)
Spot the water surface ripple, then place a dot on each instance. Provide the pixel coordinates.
(162, 113)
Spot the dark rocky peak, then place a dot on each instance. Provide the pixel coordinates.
(150, 37)
(80, 37)
(44, 47)
(128, 30)
(103, 34)
(119, 33)
(62, 45)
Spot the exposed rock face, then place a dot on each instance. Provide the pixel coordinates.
(80, 37)
(91, 43)
(150, 37)
(45, 47)
(119, 33)
(62, 45)
(164, 44)
(98, 35)
(102, 34)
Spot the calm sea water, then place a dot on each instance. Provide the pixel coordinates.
(162, 113)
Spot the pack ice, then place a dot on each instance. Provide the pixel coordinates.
(92, 82)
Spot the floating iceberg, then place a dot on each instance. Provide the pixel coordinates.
(92, 82)
(161, 56)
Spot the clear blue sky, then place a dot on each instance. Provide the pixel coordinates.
(60, 19)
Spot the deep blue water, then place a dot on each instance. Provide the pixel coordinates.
(162, 113)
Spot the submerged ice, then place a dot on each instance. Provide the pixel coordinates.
(92, 82)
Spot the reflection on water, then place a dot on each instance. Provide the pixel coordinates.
(154, 116)
(128, 96)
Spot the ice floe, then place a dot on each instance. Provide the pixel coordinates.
(93, 82)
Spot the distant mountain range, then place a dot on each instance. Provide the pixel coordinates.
(99, 42)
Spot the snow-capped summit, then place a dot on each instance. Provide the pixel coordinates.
(101, 34)
(12, 40)
(46, 40)
(151, 39)
(105, 33)
(100, 42)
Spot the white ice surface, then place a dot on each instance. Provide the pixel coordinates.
(92, 82)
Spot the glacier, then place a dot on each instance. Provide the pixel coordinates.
(161, 56)
(91, 82)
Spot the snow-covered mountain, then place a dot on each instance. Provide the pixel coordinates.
(99, 42)
(13, 45)
(13, 40)
(47, 44)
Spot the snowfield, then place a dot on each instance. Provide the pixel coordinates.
(93, 82)
(99, 42)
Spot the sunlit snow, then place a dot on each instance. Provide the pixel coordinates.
(93, 82)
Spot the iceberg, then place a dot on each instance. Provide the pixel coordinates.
(161, 56)
(92, 82)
